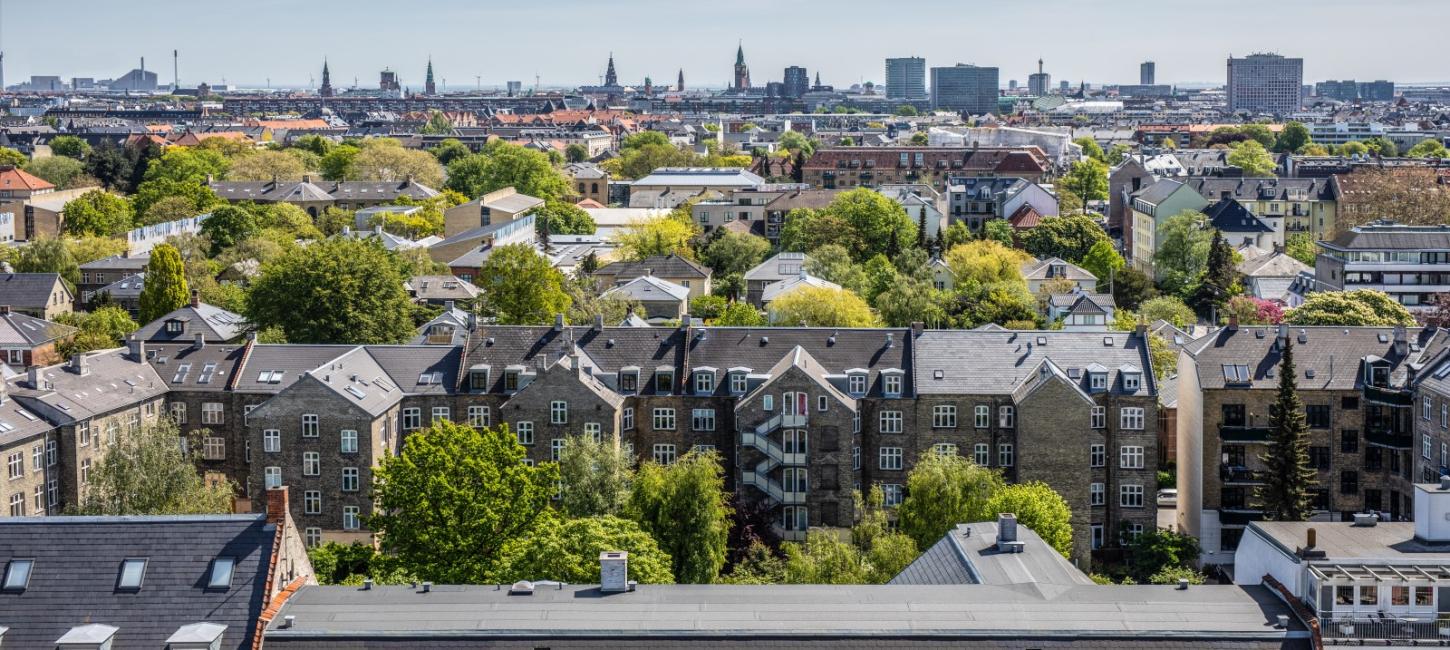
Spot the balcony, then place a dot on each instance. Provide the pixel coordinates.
(1240, 475)
(1390, 396)
(1243, 434)
(1384, 627)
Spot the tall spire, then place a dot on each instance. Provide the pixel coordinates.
(740, 53)
(428, 87)
(326, 89)
(742, 71)
(1039, 65)
(610, 78)
(680, 87)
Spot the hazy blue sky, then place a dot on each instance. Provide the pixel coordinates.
(566, 42)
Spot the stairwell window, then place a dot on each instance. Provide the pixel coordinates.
(1098, 456)
(349, 479)
(663, 419)
(558, 412)
(1006, 416)
(1095, 494)
(767, 402)
(664, 454)
(309, 425)
(982, 454)
(795, 518)
(944, 416)
(271, 441)
(1131, 419)
(627, 419)
(525, 433)
(822, 404)
(890, 458)
(272, 477)
(350, 518)
(311, 463)
(891, 422)
(348, 443)
(1005, 454)
(982, 416)
(1099, 418)
(892, 494)
(856, 458)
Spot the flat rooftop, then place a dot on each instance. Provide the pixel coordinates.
(691, 613)
(1342, 540)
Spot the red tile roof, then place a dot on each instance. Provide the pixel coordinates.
(1025, 217)
(12, 177)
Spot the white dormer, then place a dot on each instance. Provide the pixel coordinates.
(664, 380)
(629, 379)
(479, 375)
(1097, 377)
(857, 381)
(703, 380)
(891, 380)
(197, 636)
(87, 637)
(513, 378)
(1132, 378)
(739, 380)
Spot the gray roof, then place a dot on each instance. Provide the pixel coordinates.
(214, 323)
(780, 266)
(1158, 192)
(19, 329)
(978, 362)
(27, 289)
(1229, 215)
(113, 381)
(127, 287)
(1055, 267)
(663, 266)
(1276, 264)
(1333, 355)
(647, 288)
(968, 554)
(441, 287)
(1213, 188)
(291, 361)
(185, 367)
(701, 176)
(1342, 540)
(78, 560)
(836, 350)
(1390, 236)
(982, 615)
(135, 263)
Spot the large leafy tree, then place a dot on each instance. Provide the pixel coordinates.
(810, 306)
(70, 146)
(507, 165)
(739, 314)
(1090, 148)
(986, 261)
(564, 218)
(1428, 148)
(65, 173)
(911, 300)
(1358, 307)
(1087, 180)
(1292, 137)
(49, 256)
(1037, 507)
(1068, 237)
(832, 263)
(385, 159)
(568, 550)
(98, 212)
(453, 500)
(1287, 473)
(333, 291)
(10, 156)
(230, 225)
(873, 555)
(730, 254)
(1182, 255)
(595, 477)
(1104, 262)
(684, 507)
(1253, 158)
(863, 221)
(520, 287)
(164, 289)
(942, 491)
(1131, 287)
(663, 235)
(147, 473)
(281, 165)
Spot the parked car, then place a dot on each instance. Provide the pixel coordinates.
(1168, 497)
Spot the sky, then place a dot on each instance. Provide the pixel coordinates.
(567, 42)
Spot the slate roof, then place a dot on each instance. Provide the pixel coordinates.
(292, 361)
(185, 367)
(19, 329)
(663, 266)
(307, 190)
(214, 323)
(978, 362)
(968, 554)
(127, 287)
(77, 563)
(1228, 215)
(1213, 188)
(1158, 192)
(1276, 264)
(836, 350)
(610, 348)
(648, 288)
(1054, 267)
(19, 423)
(700, 176)
(114, 381)
(1391, 236)
(987, 188)
(1333, 354)
(27, 289)
(441, 287)
(135, 263)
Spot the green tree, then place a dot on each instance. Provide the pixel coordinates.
(89, 248)
(65, 173)
(1358, 307)
(164, 289)
(567, 550)
(10, 156)
(1087, 180)
(333, 291)
(1068, 237)
(98, 212)
(152, 192)
(595, 477)
(1352, 148)
(794, 141)
(684, 507)
(1104, 262)
(1037, 507)
(911, 300)
(340, 163)
(1183, 246)
(809, 306)
(1118, 153)
(564, 218)
(520, 287)
(1427, 148)
(832, 263)
(1158, 550)
(861, 220)
(1253, 158)
(1382, 146)
(449, 150)
(1167, 308)
(188, 164)
(824, 559)
(708, 307)
(999, 230)
(663, 235)
(314, 144)
(281, 165)
(1220, 279)
(1301, 246)
(1091, 148)
(905, 110)
(920, 139)
(1287, 474)
(453, 500)
(507, 165)
(104, 327)
(739, 314)
(1293, 137)
(70, 146)
(228, 226)
(145, 472)
(576, 153)
(49, 256)
(734, 253)
(385, 159)
(942, 491)
(986, 261)
(437, 124)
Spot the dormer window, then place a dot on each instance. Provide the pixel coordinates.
(1098, 380)
(511, 380)
(704, 381)
(629, 380)
(664, 380)
(1131, 381)
(175, 327)
(891, 383)
(1379, 374)
(737, 383)
(478, 377)
(856, 384)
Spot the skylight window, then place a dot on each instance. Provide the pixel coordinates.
(206, 372)
(356, 392)
(221, 573)
(133, 571)
(17, 575)
(1235, 373)
(270, 376)
(181, 372)
(430, 378)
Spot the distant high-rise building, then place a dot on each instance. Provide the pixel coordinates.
(610, 78)
(906, 78)
(429, 88)
(388, 80)
(1377, 91)
(1012, 84)
(1065, 87)
(742, 71)
(1265, 83)
(965, 88)
(1147, 72)
(1346, 90)
(1039, 82)
(326, 89)
(797, 82)
(514, 88)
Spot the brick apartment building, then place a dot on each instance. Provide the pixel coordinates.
(851, 167)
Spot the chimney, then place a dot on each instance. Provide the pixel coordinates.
(1141, 329)
(1311, 538)
(138, 348)
(1402, 341)
(277, 505)
(1233, 322)
(558, 322)
(917, 327)
(79, 365)
(5, 310)
(614, 571)
(307, 178)
(1007, 534)
(33, 377)
(1282, 337)
(195, 298)
(599, 322)
(448, 306)
(199, 341)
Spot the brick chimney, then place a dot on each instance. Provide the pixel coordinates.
(277, 505)
(195, 298)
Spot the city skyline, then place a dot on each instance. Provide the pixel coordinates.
(704, 46)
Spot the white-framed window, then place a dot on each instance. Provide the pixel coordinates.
(1098, 380)
(37, 457)
(1098, 455)
(855, 458)
(1130, 496)
(178, 412)
(312, 502)
(890, 458)
(594, 431)
(111, 429)
(556, 449)
(1425, 446)
(15, 465)
(944, 449)
(349, 479)
(856, 384)
(703, 449)
(311, 463)
(1444, 414)
(86, 472)
(704, 383)
(1005, 455)
(441, 413)
(1006, 416)
(891, 422)
(272, 477)
(310, 426)
(83, 434)
(1426, 406)
(856, 422)
(412, 418)
(1097, 536)
(944, 416)
(1130, 457)
(822, 403)
(558, 412)
(214, 448)
(982, 454)
(892, 493)
(982, 416)
(271, 440)
(737, 383)
(1130, 418)
(702, 419)
(1131, 532)
(212, 413)
(795, 518)
(350, 518)
(312, 536)
(39, 496)
(891, 385)
(1130, 381)
(627, 418)
(478, 416)
(767, 402)
(17, 505)
(348, 441)
(664, 419)
(1096, 495)
(52, 452)
(1099, 418)
(52, 492)
(664, 454)
(525, 432)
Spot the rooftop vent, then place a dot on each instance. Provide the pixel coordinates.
(521, 588)
(614, 571)
(1365, 519)
(1007, 534)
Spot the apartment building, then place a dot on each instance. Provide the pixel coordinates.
(1410, 263)
(965, 88)
(1303, 205)
(851, 167)
(975, 201)
(1265, 83)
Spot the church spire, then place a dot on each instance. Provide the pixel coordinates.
(610, 78)
(326, 89)
(740, 54)
(680, 87)
(742, 71)
(428, 87)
